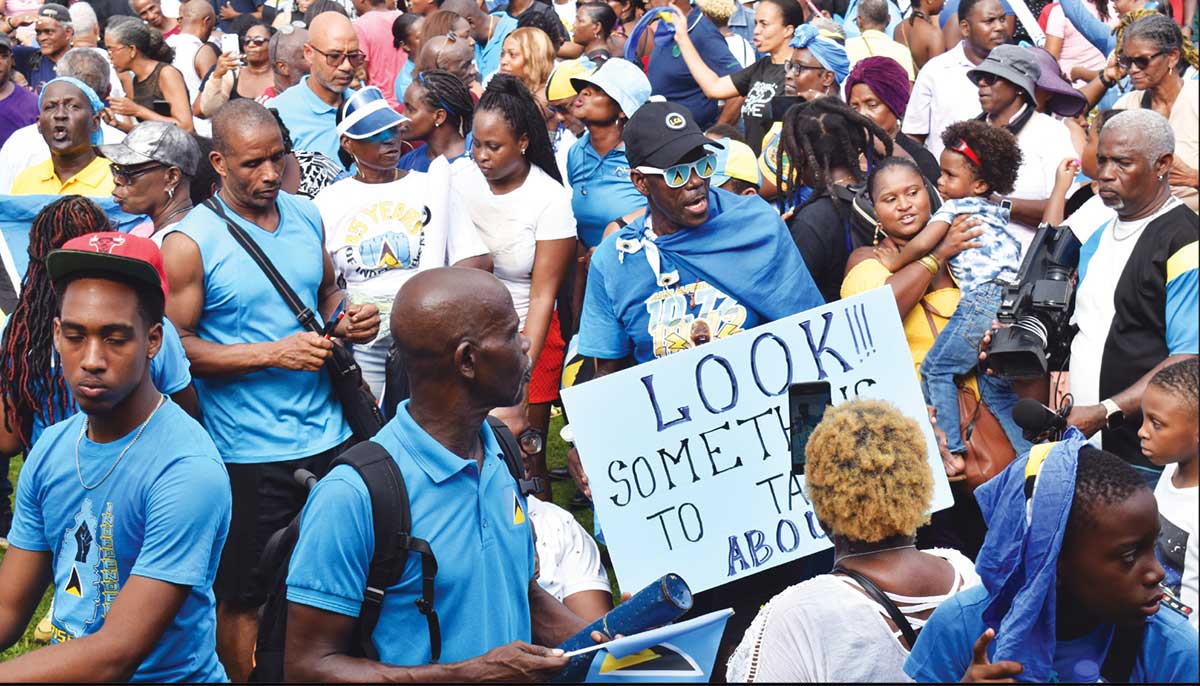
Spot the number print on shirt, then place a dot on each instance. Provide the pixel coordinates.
(691, 315)
(386, 235)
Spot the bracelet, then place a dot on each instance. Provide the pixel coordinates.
(931, 263)
(1105, 81)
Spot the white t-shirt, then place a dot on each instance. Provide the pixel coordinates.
(568, 558)
(1177, 549)
(1095, 306)
(941, 96)
(566, 13)
(512, 224)
(826, 630)
(380, 235)
(1091, 215)
(1045, 142)
(186, 46)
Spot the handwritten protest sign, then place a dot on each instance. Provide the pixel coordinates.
(688, 456)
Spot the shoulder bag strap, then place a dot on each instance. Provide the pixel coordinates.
(391, 519)
(513, 456)
(308, 319)
(877, 594)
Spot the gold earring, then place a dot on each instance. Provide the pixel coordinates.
(879, 235)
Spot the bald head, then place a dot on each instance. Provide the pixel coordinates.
(195, 11)
(240, 120)
(456, 57)
(458, 333)
(331, 30)
(463, 8)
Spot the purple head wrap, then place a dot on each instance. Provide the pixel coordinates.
(886, 78)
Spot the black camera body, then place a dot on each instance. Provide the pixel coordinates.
(1036, 312)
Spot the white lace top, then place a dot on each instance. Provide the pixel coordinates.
(826, 629)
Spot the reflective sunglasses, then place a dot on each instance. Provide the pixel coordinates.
(385, 136)
(1142, 62)
(335, 59)
(124, 176)
(260, 40)
(677, 175)
(532, 441)
(794, 67)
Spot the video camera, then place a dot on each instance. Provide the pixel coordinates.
(1037, 310)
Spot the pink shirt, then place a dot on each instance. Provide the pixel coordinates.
(384, 61)
(1077, 51)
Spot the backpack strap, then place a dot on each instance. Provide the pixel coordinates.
(1123, 651)
(392, 522)
(514, 458)
(882, 599)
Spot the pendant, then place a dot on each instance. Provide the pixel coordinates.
(675, 51)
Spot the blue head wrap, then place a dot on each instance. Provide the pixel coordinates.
(1026, 508)
(93, 99)
(830, 53)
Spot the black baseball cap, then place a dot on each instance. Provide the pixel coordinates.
(56, 12)
(661, 134)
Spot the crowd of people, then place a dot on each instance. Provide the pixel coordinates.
(255, 246)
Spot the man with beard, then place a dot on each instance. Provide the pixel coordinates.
(309, 108)
(465, 356)
(267, 402)
(69, 121)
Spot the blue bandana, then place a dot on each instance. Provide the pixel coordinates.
(93, 99)
(828, 52)
(1026, 508)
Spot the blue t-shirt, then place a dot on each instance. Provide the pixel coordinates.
(404, 79)
(37, 68)
(161, 514)
(600, 188)
(743, 246)
(669, 75)
(943, 649)
(311, 122)
(474, 519)
(269, 415)
(169, 370)
(487, 55)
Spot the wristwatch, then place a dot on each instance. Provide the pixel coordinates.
(1114, 416)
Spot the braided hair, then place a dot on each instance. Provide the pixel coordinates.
(33, 383)
(508, 96)
(1164, 34)
(445, 91)
(822, 135)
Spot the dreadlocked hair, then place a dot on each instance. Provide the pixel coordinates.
(822, 135)
(1164, 34)
(508, 96)
(445, 91)
(33, 383)
(1127, 20)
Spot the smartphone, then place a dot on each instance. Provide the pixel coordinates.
(230, 44)
(806, 406)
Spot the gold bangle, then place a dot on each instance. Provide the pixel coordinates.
(931, 263)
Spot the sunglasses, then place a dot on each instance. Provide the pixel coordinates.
(1141, 62)
(677, 175)
(532, 441)
(385, 136)
(259, 40)
(986, 79)
(124, 176)
(794, 67)
(335, 59)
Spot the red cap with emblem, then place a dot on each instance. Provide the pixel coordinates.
(110, 251)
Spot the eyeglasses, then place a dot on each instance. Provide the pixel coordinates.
(335, 59)
(677, 175)
(261, 40)
(532, 441)
(124, 176)
(1142, 62)
(794, 67)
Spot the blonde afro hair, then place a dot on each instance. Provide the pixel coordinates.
(867, 475)
(717, 10)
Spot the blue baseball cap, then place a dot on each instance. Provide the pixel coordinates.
(366, 113)
(736, 161)
(621, 80)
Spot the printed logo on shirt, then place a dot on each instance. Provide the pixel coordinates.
(383, 236)
(1170, 549)
(758, 98)
(518, 511)
(691, 315)
(88, 562)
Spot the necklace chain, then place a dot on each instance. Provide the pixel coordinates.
(83, 431)
(872, 552)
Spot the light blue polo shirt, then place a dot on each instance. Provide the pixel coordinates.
(270, 415)
(474, 520)
(487, 55)
(311, 122)
(600, 188)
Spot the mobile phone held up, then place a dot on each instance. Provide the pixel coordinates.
(230, 44)
(806, 406)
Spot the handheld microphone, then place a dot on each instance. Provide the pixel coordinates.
(1039, 421)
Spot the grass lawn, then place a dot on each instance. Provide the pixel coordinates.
(556, 456)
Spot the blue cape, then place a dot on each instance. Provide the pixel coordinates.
(17, 213)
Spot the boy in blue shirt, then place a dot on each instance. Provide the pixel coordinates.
(1061, 595)
(125, 505)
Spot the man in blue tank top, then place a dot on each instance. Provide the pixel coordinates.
(267, 402)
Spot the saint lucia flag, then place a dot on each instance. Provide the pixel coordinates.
(683, 652)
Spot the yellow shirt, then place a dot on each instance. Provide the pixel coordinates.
(94, 180)
(874, 43)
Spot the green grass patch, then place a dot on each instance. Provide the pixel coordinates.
(26, 643)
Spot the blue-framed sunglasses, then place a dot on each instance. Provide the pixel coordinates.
(386, 136)
(677, 175)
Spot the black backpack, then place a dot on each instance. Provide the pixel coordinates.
(389, 511)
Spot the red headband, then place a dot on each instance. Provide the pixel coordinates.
(962, 147)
